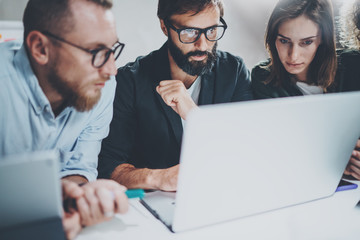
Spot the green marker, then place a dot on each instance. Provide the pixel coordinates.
(135, 193)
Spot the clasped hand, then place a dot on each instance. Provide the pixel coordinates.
(174, 94)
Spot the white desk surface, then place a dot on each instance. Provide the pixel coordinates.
(333, 218)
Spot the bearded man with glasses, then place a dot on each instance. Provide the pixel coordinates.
(155, 94)
(57, 93)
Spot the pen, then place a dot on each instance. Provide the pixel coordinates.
(346, 187)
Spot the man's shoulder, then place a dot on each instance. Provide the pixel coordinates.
(225, 58)
(348, 52)
(348, 55)
(348, 60)
(8, 49)
(143, 63)
(9, 79)
(7, 54)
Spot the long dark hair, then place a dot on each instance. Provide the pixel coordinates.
(323, 67)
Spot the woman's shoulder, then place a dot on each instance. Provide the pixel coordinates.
(259, 85)
(348, 71)
(348, 56)
(348, 52)
(260, 72)
(348, 60)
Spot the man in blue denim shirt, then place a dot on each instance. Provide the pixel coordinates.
(57, 91)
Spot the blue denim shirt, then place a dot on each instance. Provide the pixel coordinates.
(28, 124)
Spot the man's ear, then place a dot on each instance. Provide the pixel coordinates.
(163, 27)
(38, 46)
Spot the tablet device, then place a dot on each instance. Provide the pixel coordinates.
(30, 196)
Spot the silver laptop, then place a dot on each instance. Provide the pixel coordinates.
(30, 189)
(241, 159)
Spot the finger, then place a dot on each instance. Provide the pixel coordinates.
(356, 175)
(169, 98)
(165, 82)
(170, 89)
(347, 172)
(71, 189)
(109, 184)
(117, 187)
(356, 154)
(357, 144)
(71, 224)
(354, 162)
(107, 202)
(121, 200)
(163, 94)
(354, 169)
(94, 205)
(170, 82)
(173, 85)
(84, 211)
(347, 169)
(164, 89)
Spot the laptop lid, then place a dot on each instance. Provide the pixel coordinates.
(30, 189)
(241, 159)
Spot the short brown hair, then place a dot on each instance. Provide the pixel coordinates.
(168, 8)
(52, 15)
(323, 67)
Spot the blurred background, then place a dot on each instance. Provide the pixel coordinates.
(139, 28)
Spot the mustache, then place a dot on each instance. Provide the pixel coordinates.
(102, 79)
(198, 53)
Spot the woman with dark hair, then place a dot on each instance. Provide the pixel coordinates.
(300, 40)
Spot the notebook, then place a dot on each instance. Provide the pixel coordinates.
(30, 196)
(241, 159)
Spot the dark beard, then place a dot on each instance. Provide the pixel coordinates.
(193, 68)
(71, 93)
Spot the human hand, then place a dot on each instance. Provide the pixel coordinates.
(71, 219)
(101, 199)
(174, 94)
(71, 224)
(167, 178)
(353, 167)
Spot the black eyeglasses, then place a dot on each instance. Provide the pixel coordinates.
(191, 35)
(100, 55)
